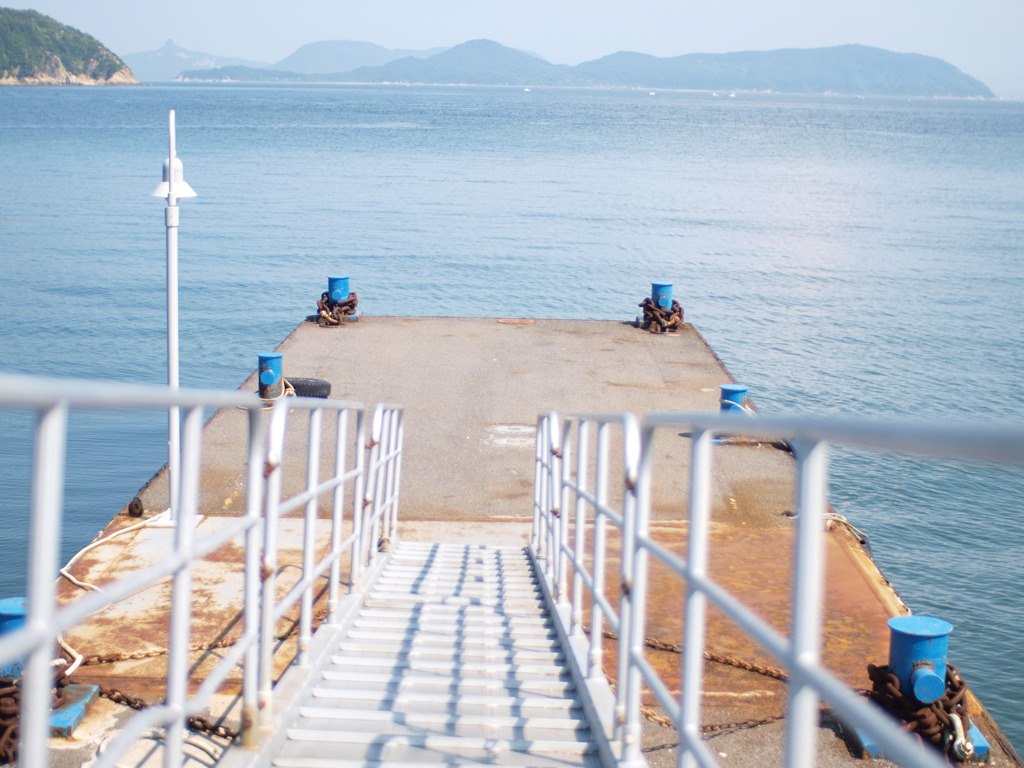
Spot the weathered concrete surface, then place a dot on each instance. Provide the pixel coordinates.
(131, 635)
(472, 390)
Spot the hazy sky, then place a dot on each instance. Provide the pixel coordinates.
(984, 38)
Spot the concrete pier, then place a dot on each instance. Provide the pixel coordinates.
(472, 390)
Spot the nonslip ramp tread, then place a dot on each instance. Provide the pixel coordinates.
(370, 684)
(441, 637)
(417, 758)
(566, 731)
(452, 660)
(359, 742)
(521, 708)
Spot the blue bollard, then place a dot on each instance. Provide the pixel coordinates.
(917, 655)
(732, 397)
(918, 647)
(77, 698)
(12, 617)
(270, 377)
(337, 288)
(661, 294)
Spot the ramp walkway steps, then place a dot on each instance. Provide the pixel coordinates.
(452, 659)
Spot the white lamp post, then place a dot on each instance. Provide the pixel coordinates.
(173, 188)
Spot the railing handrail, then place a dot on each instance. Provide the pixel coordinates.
(33, 392)
(988, 442)
(359, 461)
(568, 477)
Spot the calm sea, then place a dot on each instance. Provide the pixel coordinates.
(844, 256)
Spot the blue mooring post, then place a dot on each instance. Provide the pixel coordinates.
(76, 699)
(12, 617)
(661, 294)
(917, 655)
(337, 288)
(270, 377)
(732, 397)
(918, 647)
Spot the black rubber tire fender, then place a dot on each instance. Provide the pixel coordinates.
(310, 387)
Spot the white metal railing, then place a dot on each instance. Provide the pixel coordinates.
(374, 516)
(368, 484)
(576, 493)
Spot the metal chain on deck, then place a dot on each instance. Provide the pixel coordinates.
(942, 723)
(732, 661)
(10, 714)
(196, 724)
(332, 313)
(714, 729)
(936, 723)
(10, 710)
(113, 658)
(661, 319)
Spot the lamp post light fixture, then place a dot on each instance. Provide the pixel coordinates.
(173, 188)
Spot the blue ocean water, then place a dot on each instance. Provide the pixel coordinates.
(844, 256)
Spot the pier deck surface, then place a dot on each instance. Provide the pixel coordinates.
(472, 390)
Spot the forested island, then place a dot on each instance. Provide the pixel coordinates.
(37, 50)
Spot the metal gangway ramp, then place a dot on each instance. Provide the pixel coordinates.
(452, 658)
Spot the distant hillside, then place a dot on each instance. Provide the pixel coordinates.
(344, 55)
(38, 50)
(170, 60)
(248, 75)
(848, 69)
(478, 61)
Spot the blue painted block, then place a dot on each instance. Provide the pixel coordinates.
(77, 699)
(12, 617)
(875, 751)
(981, 745)
(871, 748)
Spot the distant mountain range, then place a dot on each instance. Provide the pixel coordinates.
(846, 69)
(344, 55)
(171, 60)
(35, 49)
